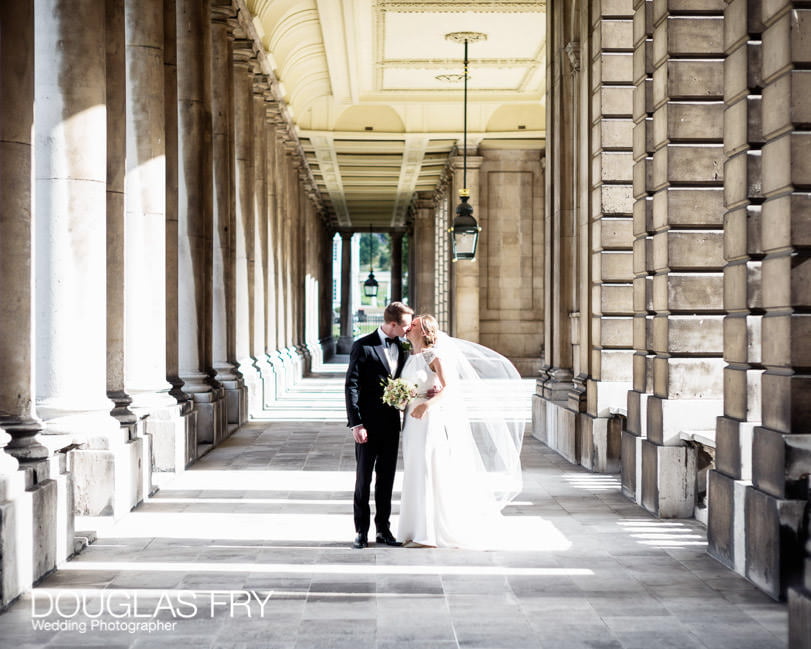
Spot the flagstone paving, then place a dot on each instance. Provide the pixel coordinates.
(251, 548)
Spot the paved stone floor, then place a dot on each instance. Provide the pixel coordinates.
(250, 548)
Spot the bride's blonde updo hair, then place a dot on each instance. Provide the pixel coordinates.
(428, 328)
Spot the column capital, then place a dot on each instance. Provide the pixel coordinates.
(222, 12)
(473, 162)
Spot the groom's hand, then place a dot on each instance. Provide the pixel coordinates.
(360, 434)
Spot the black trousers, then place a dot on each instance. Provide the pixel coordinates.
(378, 455)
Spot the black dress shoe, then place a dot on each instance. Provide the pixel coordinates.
(360, 541)
(387, 538)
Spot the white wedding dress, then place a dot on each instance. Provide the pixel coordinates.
(444, 501)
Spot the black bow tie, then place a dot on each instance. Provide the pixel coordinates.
(391, 341)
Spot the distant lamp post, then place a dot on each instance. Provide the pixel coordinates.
(370, 286)
(465, 230)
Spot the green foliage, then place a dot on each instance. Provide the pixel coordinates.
(379, 245)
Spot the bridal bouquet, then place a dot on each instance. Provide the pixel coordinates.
(397, 393)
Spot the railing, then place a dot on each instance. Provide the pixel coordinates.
(363, 323)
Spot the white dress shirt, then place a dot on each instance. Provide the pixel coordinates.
(392, 351)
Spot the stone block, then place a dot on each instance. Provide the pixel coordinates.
(643, 139)
(616, 133)
(785, 103)
(643, 21)
(643, 372)
(785, 340)
(688, 163)
(677, 121)
(642, 61)
(668, 418)
(643, 332)
(786, 162)
(615, 200)
(743, 286)
(742, 175)
(643, 255)
(742, 233)
(614, 9)
(781, 463)
(616, 67)
(637, 413)
(617, 34)
(688, 378)
(688, 206)
(688, 334)
(786, 406)
(688, 292)
(643, 294)
(788, 278)
(736, 24)
(661, 8)
(774, 542)
(693, 36)
(642, 177)
(173, 439)
(668, 480)
(628, 461)
(742, 393)
(688, 250)
(615, 299)
(613, 233)
(786, 221)
(721, 520)
(562, 431)
(614, 332)
(613, 166)
(642, 99)
(616, 265)
(787, 42)
(729, 443)
(643, 216)
(799, 617)
(736, 137)
(600, 442)
(612, 364)
(45, 529)
(615, 101)
(687, 79)
(539, 429)
(742, 339)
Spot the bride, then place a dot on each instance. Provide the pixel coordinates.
(461, 457)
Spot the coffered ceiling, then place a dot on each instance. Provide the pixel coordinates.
(375, 122)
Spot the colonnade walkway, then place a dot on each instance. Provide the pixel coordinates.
(251, 548)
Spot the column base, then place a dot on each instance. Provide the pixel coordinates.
(236, 407)
(344, 345)
(799, 618)
(173, 434)
(600, 443)
(726, 524)
(668, 480)
(553, 422)
(267, 385)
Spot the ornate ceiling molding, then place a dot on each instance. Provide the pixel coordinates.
(462, 6)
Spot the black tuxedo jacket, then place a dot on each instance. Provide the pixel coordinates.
(365, 378)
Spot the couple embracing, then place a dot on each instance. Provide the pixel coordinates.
(460, 450)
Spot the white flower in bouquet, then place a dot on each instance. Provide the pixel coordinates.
(398, 393)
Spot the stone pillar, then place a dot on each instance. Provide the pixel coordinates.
(726, 531)
(244, 224)
(442, 250)
(195, 217)
(258, 242)
(777, 503)
(606, 240)
(325, 294)
(466, 273)
(635, 430)
(71, 253)
(424, 247)
(553, 421)
(16, 262)
(396, 292)
(17, 307)
(686, 253)
(223, 262)
(271, 113)
(345, 341)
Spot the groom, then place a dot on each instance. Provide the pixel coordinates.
(375, 426)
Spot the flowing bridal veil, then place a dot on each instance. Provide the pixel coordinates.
(484, 433)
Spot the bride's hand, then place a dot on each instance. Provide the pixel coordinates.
(419, 410)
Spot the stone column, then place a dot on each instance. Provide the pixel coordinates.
(17, 300)
(442, 249)
(687, 253)
(71, 253)
(271, 113)
(726, 532)
(244, 223)
(636, 416)
(16, 261)
(223, 298)
(325, 294)
(195, 217)
(345, 341)
(141, 276)
(259, 243)
(396, 292)
(777, 503)
(466, 273)
(553, 421)
(424, 246)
